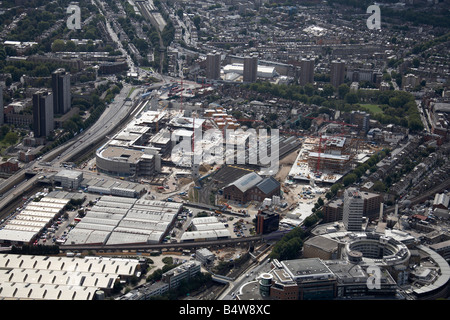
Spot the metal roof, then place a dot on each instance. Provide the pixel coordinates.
(115, 220)
(59, 278)
(246, 182)
(268, 184)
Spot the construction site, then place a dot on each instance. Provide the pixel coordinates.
(326, 159)
(185, 146)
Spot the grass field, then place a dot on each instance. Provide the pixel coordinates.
(372, 108)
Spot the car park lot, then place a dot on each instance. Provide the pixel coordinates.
(57, 232)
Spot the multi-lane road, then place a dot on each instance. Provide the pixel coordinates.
(114, 114)
(123, 106)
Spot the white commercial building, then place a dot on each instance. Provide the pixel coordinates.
(353, 210)
(117, 220)
(238, 68)
(69, 179)
(170, 280)
(205, 235)
(31, 277)
(27, 224)
(206, 228)
(204, 255)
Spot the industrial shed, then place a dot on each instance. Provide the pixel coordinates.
(60, 278)
(251, 187)
(87, 236)
(119, 220)
(29, 223)
(204, 220)
(206, 235)
(209, 226)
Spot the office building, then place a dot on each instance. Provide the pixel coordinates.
(302, 279)
(213, 65)
(127, 162)
(334, 210)
(250, 68)
(69, 179)
(61, 91)
(329, 162)
(204, 255)
(185, 271)
(230, 70)
(361, 119)
(42, 113)
(353, 210)
(337, 76)
(372, 202)
(267, 222)
(170, 280)
(306, 71)
(322, 247)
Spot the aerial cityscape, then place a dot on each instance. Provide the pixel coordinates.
(227, 150)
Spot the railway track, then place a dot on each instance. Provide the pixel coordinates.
(174, 246)
(442, 186)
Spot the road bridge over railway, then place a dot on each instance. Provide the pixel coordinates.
(174, 246)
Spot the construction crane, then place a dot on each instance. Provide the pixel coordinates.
(322, 138)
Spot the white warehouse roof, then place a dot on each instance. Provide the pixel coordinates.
(59, 278)
(32, 219)
(115, 220)
(238, 68)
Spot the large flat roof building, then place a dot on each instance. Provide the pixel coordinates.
(30, 222)
(69, 179)
(32, 277)
(126, 162)
(302, 279)
(117, 220)
(262, 71)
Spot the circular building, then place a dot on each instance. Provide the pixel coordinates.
(265, 283)
(376, 249)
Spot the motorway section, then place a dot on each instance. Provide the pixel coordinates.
(114, 115)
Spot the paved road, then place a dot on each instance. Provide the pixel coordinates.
(251, 274)
(115, 113)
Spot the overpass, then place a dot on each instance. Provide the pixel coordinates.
(172, 246)
(117, 113)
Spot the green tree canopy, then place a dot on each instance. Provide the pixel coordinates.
(11, 138)
(58, 45)
(343, 89)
